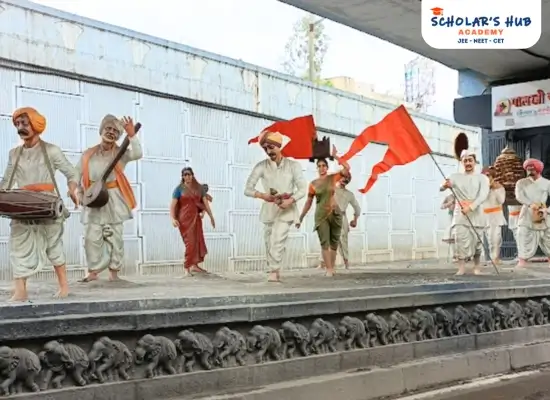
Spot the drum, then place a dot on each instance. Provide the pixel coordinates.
(27, 205)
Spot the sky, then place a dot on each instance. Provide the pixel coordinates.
(256, 31)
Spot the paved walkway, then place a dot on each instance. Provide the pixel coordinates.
(375, 275)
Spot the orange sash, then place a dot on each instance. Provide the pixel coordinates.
(40, 187)
(120, 179)
(514, 213)
(492, 210)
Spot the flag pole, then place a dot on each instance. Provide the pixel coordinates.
(485, 246)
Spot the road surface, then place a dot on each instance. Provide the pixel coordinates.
(533, 385)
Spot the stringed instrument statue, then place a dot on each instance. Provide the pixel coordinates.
(97, 195)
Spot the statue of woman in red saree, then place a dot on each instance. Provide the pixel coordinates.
(190, 201)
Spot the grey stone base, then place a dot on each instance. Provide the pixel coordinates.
(404, 378)
(20, 322)
(238, 379)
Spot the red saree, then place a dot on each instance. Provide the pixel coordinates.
(188, 212)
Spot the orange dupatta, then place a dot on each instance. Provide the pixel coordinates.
(121, 179)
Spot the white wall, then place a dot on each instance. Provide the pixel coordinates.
(401, 214)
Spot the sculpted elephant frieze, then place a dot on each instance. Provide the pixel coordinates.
(444, 322)
(18, 368)
(158, 352)
(352, 331)
(265, 342)
(60, 360)
(109, 357)
(228, 343)
(423, 324)
(192, 347)
(295, 336)
(378, 330)
(323, 336)
(400, 327)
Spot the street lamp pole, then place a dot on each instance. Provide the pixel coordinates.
(311, 49)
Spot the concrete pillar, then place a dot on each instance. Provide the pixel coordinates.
(471, 83)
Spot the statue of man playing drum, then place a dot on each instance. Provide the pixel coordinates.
(104, 226)
(32, 166)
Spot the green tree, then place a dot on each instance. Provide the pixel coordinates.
(296, 61)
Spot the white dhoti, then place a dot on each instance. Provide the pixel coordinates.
(104, 246)
(494, 237)
(466, 242)
(513, 217)
(275, 236)
(529, 240)
(35, 245)
(344, 233)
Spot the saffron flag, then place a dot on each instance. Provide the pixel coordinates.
(300, 131)
(404, 140)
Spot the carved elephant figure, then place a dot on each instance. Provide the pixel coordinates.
(533, 312)
(545, 309)
(502, 316)
(517, 315)
(463, 321)
(444, 322)
(158, 352)
(228, 343)
(483, 318)
(295, 336)
(265, 342)
(423, 324)
(378, 330)
(400, 327)
(110, 357)
(60, 359)
(192, 347)
(352, 331)
(18, 368)
(323, 336)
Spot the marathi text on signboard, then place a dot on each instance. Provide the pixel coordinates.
(522, 105)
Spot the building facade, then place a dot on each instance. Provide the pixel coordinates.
(200, 109)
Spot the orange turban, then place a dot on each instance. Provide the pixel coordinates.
(37, 120)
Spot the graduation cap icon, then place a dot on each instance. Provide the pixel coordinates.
(437, 11)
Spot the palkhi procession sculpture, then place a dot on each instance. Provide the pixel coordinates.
(99, 184)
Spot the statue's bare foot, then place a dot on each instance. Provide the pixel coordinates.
(477, 271)
(61, 294)
(187, 273)
(321, 266)
(18, 298)
(460, 272)
(196, 268)
(113, 276)
(91, 277)
(273, 277)
(329, 273)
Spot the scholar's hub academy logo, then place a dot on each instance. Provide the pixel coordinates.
(481, 24)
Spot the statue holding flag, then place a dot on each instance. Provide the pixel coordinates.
(283, 183)
(469, 221)
(406, 144)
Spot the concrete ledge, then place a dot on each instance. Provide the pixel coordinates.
(402, 378)
(40, 310)
(80, 324)
(261, 375)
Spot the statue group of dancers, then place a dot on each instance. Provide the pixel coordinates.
(33, 244)
(476, 208)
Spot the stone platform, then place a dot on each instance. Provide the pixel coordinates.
(215, 313)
